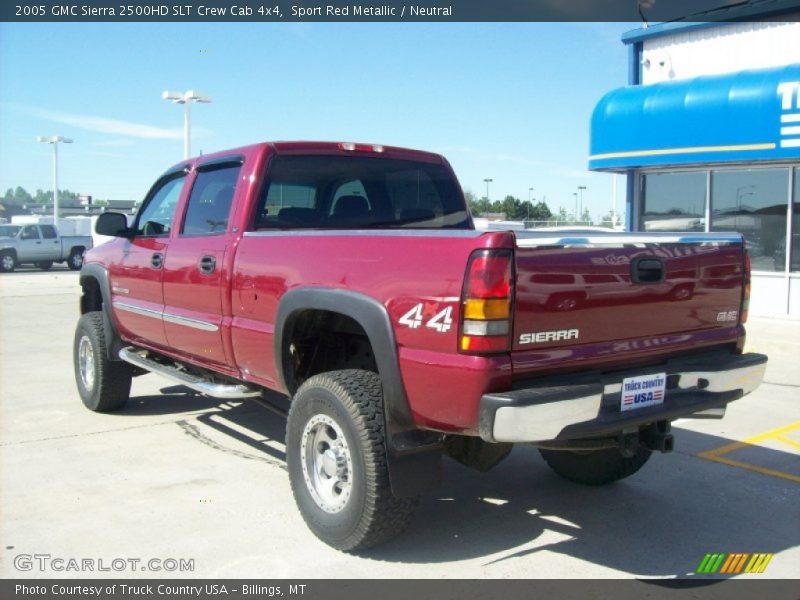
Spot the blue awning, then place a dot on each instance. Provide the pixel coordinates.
(745, 116)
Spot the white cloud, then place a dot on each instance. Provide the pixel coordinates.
(104, 125)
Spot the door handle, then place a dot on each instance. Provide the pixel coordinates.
(157, 260)
(207, 265)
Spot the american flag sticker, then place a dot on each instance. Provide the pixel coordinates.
(644, 390)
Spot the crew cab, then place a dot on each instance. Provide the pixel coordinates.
(40, 245)
(350, 279)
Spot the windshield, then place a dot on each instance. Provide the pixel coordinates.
(362, 192)
(9, 230)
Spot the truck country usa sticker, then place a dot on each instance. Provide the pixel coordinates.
(644, 390)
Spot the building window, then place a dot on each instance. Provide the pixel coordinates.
(674, 201)
(753, 203)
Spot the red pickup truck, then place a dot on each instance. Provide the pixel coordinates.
(350, 278)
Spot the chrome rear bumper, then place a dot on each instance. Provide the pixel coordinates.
(590, 406)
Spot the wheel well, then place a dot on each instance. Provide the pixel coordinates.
(11, 251)
(317, 341)
(77, 249)
(92, 297)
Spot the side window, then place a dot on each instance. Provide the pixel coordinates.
(155, 219)
(48, 232)
(29, 232)
(210, 201)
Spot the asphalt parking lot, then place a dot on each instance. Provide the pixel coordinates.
(179, 476)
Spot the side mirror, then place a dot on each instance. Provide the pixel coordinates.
(113, 224)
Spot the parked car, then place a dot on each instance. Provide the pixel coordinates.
(40, 245)
(350, 278)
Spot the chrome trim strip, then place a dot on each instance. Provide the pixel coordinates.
(186, 321)
(198, 384)
(138, 310)
(564, 239)
(458, 233)
(170, 318)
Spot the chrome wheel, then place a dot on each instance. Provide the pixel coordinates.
(327, 464)
(76, 260)
(8, 262)
(86, 363)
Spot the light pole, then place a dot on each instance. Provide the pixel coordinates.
(530, 194)
(487, 181)
(55, 139)
(580, 189)
(576, 205)
(186, 98)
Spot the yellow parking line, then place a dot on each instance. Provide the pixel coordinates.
(716, 454)
(785, 440)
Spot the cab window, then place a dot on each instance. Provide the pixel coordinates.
(210, 202)
(155, 218)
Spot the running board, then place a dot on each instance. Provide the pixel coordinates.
(224, 391)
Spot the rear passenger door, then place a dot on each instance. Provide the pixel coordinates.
(195, 277)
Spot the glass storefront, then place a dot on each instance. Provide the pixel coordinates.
(674, 201)
(752, 201)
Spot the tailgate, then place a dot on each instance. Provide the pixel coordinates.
(575, 288)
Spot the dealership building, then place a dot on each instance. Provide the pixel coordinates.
(707, 134)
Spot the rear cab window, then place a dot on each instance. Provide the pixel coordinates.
(359, 192)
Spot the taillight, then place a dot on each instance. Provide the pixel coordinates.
(486, 303)
(745, 288)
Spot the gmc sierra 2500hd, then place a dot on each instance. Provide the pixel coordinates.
(349, 277)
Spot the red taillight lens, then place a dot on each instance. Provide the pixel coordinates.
(486, 303)
(489, 276)
(745, 289)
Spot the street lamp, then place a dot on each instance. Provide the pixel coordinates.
(186, 98)
(55, 139)
(580, 189)
(487, 181)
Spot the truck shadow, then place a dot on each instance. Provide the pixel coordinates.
(658, 523)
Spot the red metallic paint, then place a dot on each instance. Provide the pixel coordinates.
(620, 323)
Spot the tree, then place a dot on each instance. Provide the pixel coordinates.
(562, 216)
(586, 217)
(541, 212)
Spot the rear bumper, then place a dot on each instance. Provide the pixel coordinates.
(589, 406)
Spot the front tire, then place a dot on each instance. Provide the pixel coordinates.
(104, 385)
(336, 454)
(595, 467)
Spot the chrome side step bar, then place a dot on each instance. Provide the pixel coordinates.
(224, 391)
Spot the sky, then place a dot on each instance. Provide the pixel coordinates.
(506, 101)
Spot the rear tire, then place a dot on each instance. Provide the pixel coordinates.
(75, 259)
(104, 385)
(595, 467)
(336, 454)
(45, 265)
(8, 262)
